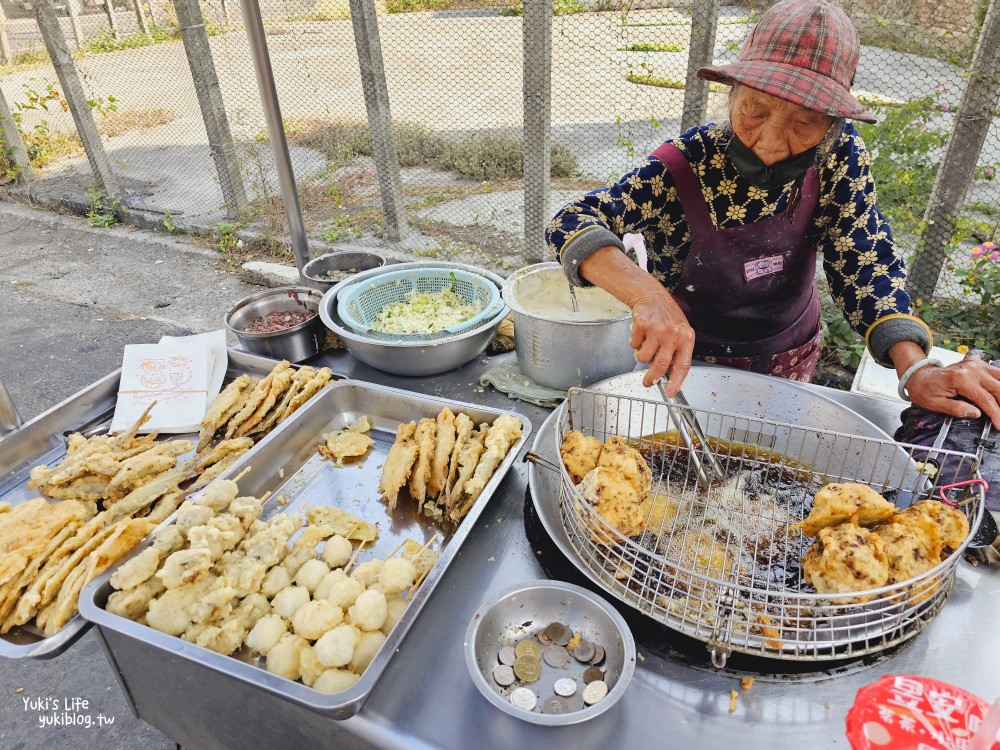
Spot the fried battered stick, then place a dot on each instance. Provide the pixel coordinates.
(463, 431)
(279, 384)
(398, 463)
(254, 398)
(443, 447)
(426, 431)
(310, 389)
(150, 492)
(467, 462)
(299, 379)
(220, 408)
(222, 451)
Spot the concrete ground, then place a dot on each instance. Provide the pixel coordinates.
(71, 297)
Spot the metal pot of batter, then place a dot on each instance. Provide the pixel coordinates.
(558, 347)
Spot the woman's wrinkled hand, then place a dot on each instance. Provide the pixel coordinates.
(938, 389)
(662, 338)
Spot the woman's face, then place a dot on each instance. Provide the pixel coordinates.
(773, 128)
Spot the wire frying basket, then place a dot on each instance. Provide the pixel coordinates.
(723, 565)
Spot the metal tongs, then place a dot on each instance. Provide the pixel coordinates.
(686, 424)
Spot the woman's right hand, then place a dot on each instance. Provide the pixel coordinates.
(661, 337)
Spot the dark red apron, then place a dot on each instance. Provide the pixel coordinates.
(749, 291)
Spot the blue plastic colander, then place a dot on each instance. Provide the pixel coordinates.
(360, 304)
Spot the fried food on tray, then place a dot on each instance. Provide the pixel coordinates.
(910, 549)
(399, 463)
(219, 590)
(580, 454)
(445, 462)
(700, 552)
(951, 523)
(839, 503)
(350, 442)
(257, 396)
(279, 379)
(846, 558)
(421, 473)
(443, 446)
(221, 408)
(617, 454)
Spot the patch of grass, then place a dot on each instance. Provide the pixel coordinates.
(669, 83)
(106, 42)
(648, 47)
(413, 6)
(483, 157)
(722, 22)
(134, 120)
(559, 8)
(341, 227)
(102, 210)
(45, 145)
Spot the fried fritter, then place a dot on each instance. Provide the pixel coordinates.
(909, 549)
(580, 454)
(464, 427)
(615, 498)
(299, 379)
(222, 451)
(838, 503)
(500, 437)
(443, 446)
(952, 524)
(467, 463)
(138, 570)
(351, 442)
(311, 387)
(846, 558)
(341, 522)
(619, 455)
(220, 405)
(280, 380)
(421, 474)
(398, 463)
(253, 401)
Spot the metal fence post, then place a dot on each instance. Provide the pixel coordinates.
(536, 29)
(366, 38)
(74, 21)
(140, 17)
(109, 8)
(701, 52)
(972, 123)
(5, 56)
(213, 108)
(276, 131)
(69, 79)
(17, 155)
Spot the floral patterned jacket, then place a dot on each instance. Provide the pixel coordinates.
(865, 269)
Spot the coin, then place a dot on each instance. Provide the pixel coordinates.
(594, 692)
(565, 638)
(565, 687)
(592, 674)
(555, 705)
(527, 669)
(584, 651)
(598, 654)
(507, 656)
(555, 631)
(555, 656)
(544, 639)
(528, 647)
(523, 698)
(503, 675)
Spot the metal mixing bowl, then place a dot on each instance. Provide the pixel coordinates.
(345, 263)
(294, 344)
(561, 353)
(413, 358)
(521, 612)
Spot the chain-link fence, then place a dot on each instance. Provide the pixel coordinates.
(605, 82)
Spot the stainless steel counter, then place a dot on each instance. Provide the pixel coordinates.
(426, 698)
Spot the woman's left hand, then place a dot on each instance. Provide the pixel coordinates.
(938, 389)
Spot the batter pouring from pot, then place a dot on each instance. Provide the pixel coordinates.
(732, 217)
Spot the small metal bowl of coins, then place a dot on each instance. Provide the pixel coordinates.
(550, 653)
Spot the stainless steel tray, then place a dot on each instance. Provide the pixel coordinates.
(287, 464)
(43, 441)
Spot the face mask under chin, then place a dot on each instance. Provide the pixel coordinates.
(758, 174)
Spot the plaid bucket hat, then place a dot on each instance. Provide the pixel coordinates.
(803, 51)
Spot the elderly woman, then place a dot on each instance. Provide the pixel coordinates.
(732, 217)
